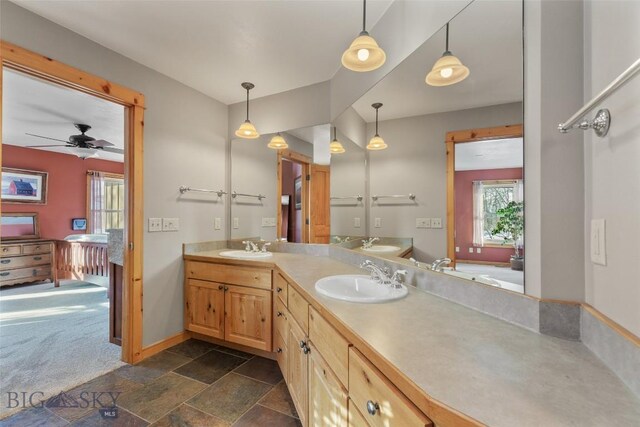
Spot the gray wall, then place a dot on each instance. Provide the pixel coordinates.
(348, 178)
(612, 164)
(415, 162)
(182, 125)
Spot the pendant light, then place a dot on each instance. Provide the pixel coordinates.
(448, 69)
(246, 129)
(335, 147)
(278, 142)
(376, 143)
(364, 54)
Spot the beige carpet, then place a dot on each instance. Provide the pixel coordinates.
(52, 339)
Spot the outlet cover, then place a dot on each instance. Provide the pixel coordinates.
(170, 224)
(479, 250)
(423, 223)
(457, 248)
(598, 242)
(155, 225)
(356, 222)
(236, 222)
(470, 250)
(378, 223)
(217, 223)
(268, 222)
(436, 222)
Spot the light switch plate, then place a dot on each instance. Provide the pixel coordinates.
(170, 224)
(457, 248)
(598, 242)
(470, 250)
(236, 222)
(423, 223)
(436, 222)
(479, 250)
(377, 223)
(356, 222)
(268, 222)
(155, 225)
(217, 223)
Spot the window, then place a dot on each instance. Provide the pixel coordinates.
(488, 198)
(106, 202)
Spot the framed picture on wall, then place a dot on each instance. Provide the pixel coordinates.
(24, 186)
(297, 185)
(79, 224)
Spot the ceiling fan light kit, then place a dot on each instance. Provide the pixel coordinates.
(83, 146)
(363, 54)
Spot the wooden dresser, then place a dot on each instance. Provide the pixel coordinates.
(26, 261)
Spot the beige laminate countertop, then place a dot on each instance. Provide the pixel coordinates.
(493, 371)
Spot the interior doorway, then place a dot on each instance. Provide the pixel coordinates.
(293, 197)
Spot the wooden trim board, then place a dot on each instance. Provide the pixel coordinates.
(40, 66)
(164, 344)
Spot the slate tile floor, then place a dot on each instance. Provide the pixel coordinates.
(194, 383)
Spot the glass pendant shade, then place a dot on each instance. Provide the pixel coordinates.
(446, 71)
(376, 143)
(247, 130)
(278, 142)
(364, 54)
(335, 147)
(84, 153)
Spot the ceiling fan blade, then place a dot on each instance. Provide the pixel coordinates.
(101, 143)
(46, 137)
(113, 150)
(43, 146)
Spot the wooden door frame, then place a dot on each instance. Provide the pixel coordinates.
(461, 137)
(40, 66)
(305, 161)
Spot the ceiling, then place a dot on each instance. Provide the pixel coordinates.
(312, 133)
(493, 154)
(31, 105)
(487, 37)
(213, 46)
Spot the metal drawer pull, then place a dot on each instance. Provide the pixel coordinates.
(372, 407)
(5, 273)
(5, 261)
(279, 350)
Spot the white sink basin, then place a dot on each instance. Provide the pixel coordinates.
(381, 248)
(246, 255)
(358, 288)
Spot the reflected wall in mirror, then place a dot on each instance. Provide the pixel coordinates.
(15, 226)
(416, 119)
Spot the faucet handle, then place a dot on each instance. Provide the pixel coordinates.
(264, 246)
(247, 245)
(398, 278)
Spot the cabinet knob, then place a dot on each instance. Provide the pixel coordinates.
(5, 261)
(4, 273)
(306, 350)
(220, 287)
(279, 314)
(278, 350)
(226, 288)
(278, 290)
(5, 249)
(372, 407)
(303, 344)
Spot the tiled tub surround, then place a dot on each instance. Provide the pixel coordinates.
(493, 371)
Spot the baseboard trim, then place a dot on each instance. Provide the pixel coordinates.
(165, 344)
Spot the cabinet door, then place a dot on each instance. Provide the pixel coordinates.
(205, 308)
(298, 374)
(248, 316)
(327, 397)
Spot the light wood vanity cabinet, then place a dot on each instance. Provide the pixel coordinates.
(229, 302)
(327, 396)
(298, 379)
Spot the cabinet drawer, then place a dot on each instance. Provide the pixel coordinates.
(26, 273)
(39, 248)
(24, 261)
(298, 308)
(327, 396)
(280, 286)
(355, 417)
(376, 397)
(9, 250)
(280, 347)
(232, 274)
(281, 318)
(333, 347)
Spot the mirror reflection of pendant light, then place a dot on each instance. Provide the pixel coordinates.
(335, 147)
(278, 142)
(85, 153)
(246, 129)
(448, 69)
(364, 54)
(376, 143)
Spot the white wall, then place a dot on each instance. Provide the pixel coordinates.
(181, 124)
(612, 164)
(415, 162)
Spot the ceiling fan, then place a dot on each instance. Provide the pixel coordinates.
(83, 146)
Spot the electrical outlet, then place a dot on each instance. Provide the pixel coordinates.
(170, 224)
(479, 250)
(423, 223)
(356, 222)
(268, 222)
(457, 248)
(155, 225)
(598, 242)
(470, 250)
(236, 222)
(378, 223)
(436, 222)
(217, 223)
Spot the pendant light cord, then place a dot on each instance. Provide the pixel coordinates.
(364, 16)
(447, 42)
(377, 122)
(334, 133)
(247, 104)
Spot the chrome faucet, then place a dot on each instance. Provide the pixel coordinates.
(383, 275)
(249, 246)
(438, 264)
(264, 246)
(366, 244)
